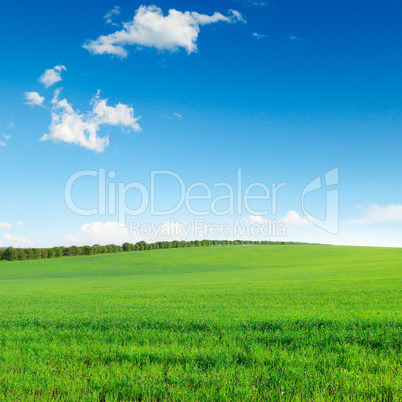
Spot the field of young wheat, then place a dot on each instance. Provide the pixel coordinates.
(214, 323)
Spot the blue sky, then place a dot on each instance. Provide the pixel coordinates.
(285, 91)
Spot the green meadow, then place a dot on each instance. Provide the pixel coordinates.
(301, 322)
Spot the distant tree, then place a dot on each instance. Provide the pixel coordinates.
(28, 253)
(111, 248)
(206, 243)
(128, 246)
(74, 251)
(97, 248)
(36, 254)
(141, 246)
(51, 253)
(58, 252)
(21, 254)
(88, 250)
(10, 254)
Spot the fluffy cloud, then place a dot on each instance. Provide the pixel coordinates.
(150, 28)
(7, 137)
(99, 233)
(2, 144)
(17, 240)
(5, 225)
(34, 99)
(51, 76)
(256, 219)
(73, 127)
(114, 12)
(292, 218)
(379, 214)
(20, 224)
(110, 232)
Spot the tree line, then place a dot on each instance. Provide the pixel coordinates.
(14, 254)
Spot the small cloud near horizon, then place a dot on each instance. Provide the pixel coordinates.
(5, 225)
(379, 214)
(17, 240)
(292, 218)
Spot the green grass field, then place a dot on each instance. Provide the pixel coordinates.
(214, 323)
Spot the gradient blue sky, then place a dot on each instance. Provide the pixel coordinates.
(320, 90)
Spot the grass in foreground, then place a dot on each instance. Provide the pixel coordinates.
(216, 323)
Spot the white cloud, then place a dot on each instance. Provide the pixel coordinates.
(51, 76)
(179, 116)
(114, 12)
(72, 127)
(379, 214)
(99, 233)
(118, 115)
(17, 240)
(258, 36)
(294, 38)
(5, 225)
(110, 232)
(255, 3)
(34, 99)
(11, 125)
(150, 28)
(293, 218)
(2, 144)
(7, 137)
(20, 224)
(256, 219)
